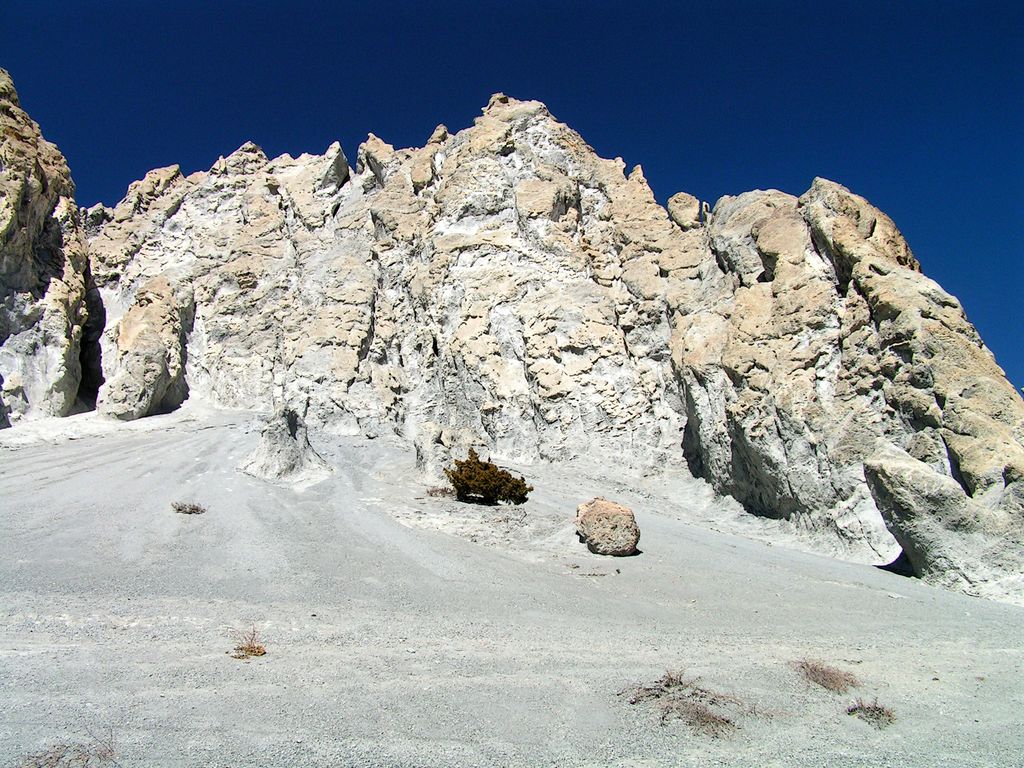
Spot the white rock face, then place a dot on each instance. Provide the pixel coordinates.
(148, 373)
(503, 286)
(832, 349)
(495, 286)
(44, 278)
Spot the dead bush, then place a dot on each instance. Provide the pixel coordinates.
(97, 754)
(874, 713)
(681, 698)
(482, 482)
(828, 677)
(187, 508)
(249, 644)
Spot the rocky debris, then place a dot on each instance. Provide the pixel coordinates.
(607, 528)
(43, 271)
(284, 454)
(503, 286)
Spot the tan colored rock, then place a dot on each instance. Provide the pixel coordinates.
(772, 417)
(149, 376)
(950, 539)
(550, 198)
(44, 282)
(831, 341)
(685, 210)
(607, 528)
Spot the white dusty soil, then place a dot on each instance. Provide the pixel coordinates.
(404, 630)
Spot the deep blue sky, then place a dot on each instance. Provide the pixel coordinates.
(918, 106)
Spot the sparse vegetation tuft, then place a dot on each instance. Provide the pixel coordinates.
(439, 491)
(828, 677)
(98, 754)
(249, 644)
(874, 713)
(680, 698)
(482, 482)
(187, 508)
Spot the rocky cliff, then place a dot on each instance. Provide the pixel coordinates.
(505, 287)
(44, 279)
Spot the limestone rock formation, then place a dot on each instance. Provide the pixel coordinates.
(950, 538)
(607, 528)
(44, 277)
(284, 454)
(832, 346)
(504, 286)
(495, 286)
(148, 375)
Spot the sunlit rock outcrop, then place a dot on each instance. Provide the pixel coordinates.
(503, 286)
(44, 281)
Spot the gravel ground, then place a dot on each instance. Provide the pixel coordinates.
(403, 630)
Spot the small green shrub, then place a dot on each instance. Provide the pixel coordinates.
(481, 482)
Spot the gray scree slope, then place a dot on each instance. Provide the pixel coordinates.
(505, 287)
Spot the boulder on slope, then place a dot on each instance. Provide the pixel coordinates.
(607, 528)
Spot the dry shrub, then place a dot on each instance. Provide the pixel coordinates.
(698, 716)
(828, 677)
(187, 508)
(482, 482)
(438, 491)
(249, 644)
(680, 698)
(874, 713)
(95, 755)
